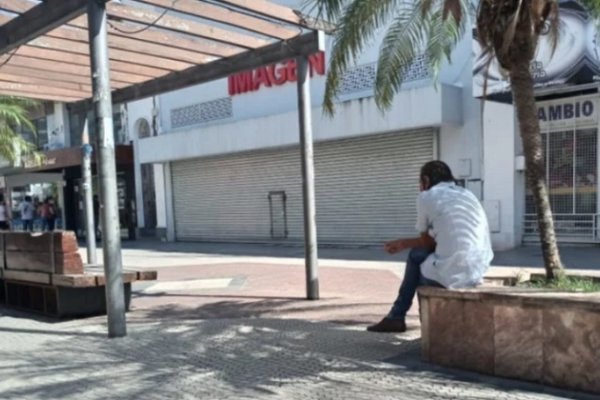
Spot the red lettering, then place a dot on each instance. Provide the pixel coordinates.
(317, 63)
(277, 74)
(292, 71)
(241, 83)
(261, 77)
(274, 74)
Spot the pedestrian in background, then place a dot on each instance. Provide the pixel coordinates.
(48, 214)
(27, 211)
(3, 215)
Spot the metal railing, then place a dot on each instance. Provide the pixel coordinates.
(568, 227)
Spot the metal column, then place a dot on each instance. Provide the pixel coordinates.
(88, 200)
(308, 180)
(102, 103)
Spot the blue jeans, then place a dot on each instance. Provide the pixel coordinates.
(412, 280)
(49, 224)
(28, 225)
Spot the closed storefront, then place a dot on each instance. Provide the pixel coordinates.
(570, 145)
(366, 192)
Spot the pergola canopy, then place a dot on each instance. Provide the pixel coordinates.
(50, 50)
(155, 46)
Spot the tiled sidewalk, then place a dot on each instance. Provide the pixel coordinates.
(240, 331)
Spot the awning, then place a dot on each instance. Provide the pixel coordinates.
(148, 47)
(29, 179)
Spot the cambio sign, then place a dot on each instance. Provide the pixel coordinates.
(575, 61)
(567, 113)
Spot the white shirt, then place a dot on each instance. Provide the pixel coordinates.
(456, 220)
(26, 209)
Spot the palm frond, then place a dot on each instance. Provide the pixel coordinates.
(507, 28)
(356, 28)
(20, 101)
(509, 34)
(13, 146)
(331, 10)
(444, 33)
(426, 7)
(14, 115)
(549, 23)
(402, 42)
(593, 7)
(435, 34)
(453, 8)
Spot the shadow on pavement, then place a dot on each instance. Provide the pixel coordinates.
(240, 359)
(23, 331)
(250, 307)
(18, 314)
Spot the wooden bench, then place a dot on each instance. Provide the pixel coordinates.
(44, 273)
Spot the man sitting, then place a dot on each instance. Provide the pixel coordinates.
(453, 250)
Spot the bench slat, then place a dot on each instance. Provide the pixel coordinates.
(27, 276)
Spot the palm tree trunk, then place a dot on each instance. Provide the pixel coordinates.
(524, 100)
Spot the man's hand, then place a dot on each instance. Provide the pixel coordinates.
(394, 246)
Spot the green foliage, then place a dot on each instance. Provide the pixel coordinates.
(593, 7)
(14, 116)
(507, 30)
(430, 27)
(568, 283)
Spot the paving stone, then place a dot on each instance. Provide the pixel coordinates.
(230, 359)
(255, 340)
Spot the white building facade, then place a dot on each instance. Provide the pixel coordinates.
(225, 157)
(567, 94)
(221, 161)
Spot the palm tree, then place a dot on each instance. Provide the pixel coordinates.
(14, 116)
(507, 30)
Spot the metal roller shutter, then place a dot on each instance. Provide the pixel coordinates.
(366, 190)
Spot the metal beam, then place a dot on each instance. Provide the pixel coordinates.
(280, 13)
(88, 195)
(306, 44)
(118, 52)
(39, 96)
(308, 180)
(43, 89)
(38, 20)
(56, 77)
(111, 235)
(227, 16)
(157, 42)
(32, 80)
(187, 26)
(77, 71)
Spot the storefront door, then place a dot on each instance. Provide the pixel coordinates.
(571, 161)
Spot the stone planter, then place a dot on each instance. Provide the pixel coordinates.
(535, 335)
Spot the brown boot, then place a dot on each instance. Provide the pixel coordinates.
(388, 325)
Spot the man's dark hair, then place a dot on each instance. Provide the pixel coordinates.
(27, 198)
(436, 172)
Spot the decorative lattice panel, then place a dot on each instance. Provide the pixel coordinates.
(201, 113)
(362, 77)
(419, 70)
(359, 79)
